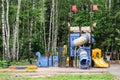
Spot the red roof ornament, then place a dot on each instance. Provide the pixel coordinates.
(95, 8)
(74, 8)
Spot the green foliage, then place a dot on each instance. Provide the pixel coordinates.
(20, 63)
(4, 63)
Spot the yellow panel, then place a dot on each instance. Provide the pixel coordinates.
(95, 52)
(31, 67)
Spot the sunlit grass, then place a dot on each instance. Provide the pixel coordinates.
(9, 76)
(83, 77)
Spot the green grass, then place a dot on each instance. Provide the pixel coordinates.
(7, 76)
(82, 77)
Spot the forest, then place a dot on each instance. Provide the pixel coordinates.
(28, 26)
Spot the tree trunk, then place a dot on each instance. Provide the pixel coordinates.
(3, 29)
(17, 49)
(53, 26)
(43, 18)
(15, 34)
(31, 29)
(8, 30)
(50, 28)
(56, 27)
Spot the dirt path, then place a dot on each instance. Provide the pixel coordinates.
(115, 69)
(50, 71)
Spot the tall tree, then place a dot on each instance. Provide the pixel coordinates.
(50, 27)
(31, 27)
(15, 34)
(3, 30)
(56, 27)
(7, 30)
(43, 23)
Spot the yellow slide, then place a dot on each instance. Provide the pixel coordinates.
(98, 60)
(100, 63)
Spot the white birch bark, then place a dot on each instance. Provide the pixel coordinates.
(15, 34)
(56, 26)
(8, 30)
(22, 38)
(17, 48)
(109, 6)
(53, 27)
(50, 28)
(43, 18)
(3, 28)
(31, 28)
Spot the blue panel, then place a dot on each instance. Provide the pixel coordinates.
(55, 60)
(60, 49)
(93, 40)
(72, 37)
(44, 62)
(72, 52)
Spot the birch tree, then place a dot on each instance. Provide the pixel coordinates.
(7, 30)
(50, 27)
(3, 29)
(53, 25)
(56, 26)
(43, 23)
(15, 34)
(31, 28)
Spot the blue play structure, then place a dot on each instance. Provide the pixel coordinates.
(46, 61)
(78, 48)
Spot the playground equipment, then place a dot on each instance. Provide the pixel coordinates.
(64, 52)
(67, 60)
(80, 40)
(31, 68)
(28, 68)
(78, 48)
(63, 59)
(47, 60)
(97, 58)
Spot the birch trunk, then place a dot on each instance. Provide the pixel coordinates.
(31, 29)
(109, 6)
(3, 29)
(17, 48)
(22, 40)
(15, 34)
(50, 26)
(43, 18)
(56, 26)
(53, 26)
(8, 31)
